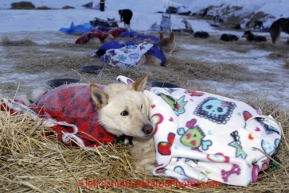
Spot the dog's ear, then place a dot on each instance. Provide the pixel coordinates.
(140, 84)
(172, 37)
(161, 36)
(98, 96)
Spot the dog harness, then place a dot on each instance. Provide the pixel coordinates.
(200, 136)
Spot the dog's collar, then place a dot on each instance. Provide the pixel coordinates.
(122, 139)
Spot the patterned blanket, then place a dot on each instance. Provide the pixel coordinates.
(127, 56)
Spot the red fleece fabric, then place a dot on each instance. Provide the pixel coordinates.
(73, 104)
(99, 34)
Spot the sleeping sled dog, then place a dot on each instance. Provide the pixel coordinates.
(185, 124)
(165, 46)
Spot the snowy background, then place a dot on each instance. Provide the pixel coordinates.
(26, 21)
(144, 12)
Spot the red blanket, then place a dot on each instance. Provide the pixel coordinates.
(73, 104)
(68, 110)
(112, 34)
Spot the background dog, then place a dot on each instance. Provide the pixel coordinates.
(188, 26)
(258, 24)
(253, 38)
(201, 34)
(161, 51)
(277, 26)
(229, 37)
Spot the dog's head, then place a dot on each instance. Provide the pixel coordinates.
(247, 33)
(167, 45)
(184, 20)
(123, 109)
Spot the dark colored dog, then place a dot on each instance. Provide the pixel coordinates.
(229, 37)
(201, 34)
(248, 25)
(277, 26)
(259, 24)
(253, 38)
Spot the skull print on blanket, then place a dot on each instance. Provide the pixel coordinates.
(201, 136)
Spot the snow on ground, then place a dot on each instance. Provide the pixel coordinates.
(26, 21)
(274, 9)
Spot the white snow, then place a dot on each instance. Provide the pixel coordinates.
(144, 15)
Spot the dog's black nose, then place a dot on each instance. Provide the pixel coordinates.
(147, 129)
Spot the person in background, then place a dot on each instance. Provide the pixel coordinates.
(125, 17)
(101, 5)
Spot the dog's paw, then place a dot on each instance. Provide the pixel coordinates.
(145, 165)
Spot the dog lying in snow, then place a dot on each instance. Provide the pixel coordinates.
(228, 37)
(252, 37)
(201, 34)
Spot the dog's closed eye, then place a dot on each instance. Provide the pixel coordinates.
(124, 113)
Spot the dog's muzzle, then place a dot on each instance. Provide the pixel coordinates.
(147, 129)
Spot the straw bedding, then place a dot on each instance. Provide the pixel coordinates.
(32, 161)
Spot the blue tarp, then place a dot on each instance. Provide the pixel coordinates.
(84, 28)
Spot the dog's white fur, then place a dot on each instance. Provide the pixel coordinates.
(123, 109)
(187, 24)
(118, 98)
(112, 102)
(144, 153)
(33, 96)
(166, 44)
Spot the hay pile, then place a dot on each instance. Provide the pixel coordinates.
(34, 162)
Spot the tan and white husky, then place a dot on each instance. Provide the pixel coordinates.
(124, 110)
(166, 44)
